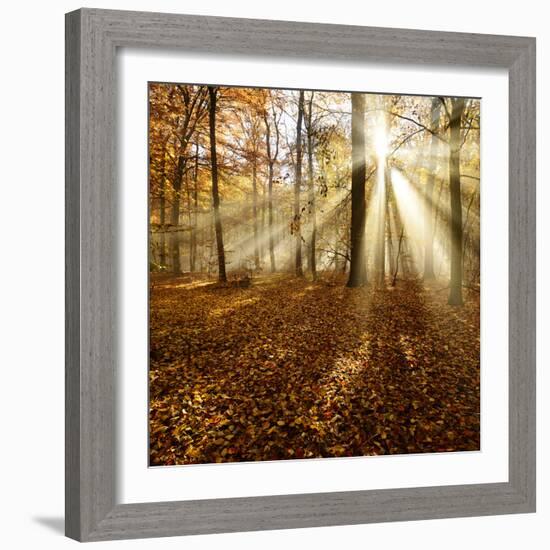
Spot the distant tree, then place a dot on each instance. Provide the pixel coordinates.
(255, 208)
(250, 121)
(271, 124)
(380, 258)
(391, 255)
(384, 182)
(279, 156)
(162, 207)
(162, 137)
(194, 208)
(432, 164)
(311, 190)
(175, 215)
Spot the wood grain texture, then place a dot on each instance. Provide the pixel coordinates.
(522, 274)
(92, 37)
(72, 276)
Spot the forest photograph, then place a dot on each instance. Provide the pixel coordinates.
(314, 274)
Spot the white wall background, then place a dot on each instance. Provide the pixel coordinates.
(31, 305)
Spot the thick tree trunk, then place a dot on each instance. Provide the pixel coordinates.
(357, 274)
(455, 295)
(212, 93)
(297, 186)
(429, 219)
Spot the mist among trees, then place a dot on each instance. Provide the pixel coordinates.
(315, 272)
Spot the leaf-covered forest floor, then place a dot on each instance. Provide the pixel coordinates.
(288, 369)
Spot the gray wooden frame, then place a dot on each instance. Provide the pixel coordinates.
(92, 38)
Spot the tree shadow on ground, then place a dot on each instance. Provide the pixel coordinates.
(294, 369)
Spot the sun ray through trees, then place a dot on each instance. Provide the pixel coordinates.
(314, 273)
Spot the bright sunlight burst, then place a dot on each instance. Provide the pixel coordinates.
(314, 274)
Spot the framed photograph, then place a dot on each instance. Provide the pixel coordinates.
(300, 280)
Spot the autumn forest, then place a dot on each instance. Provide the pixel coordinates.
(314, 264)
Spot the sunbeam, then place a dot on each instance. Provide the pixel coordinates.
(309, 296)
(413, 213)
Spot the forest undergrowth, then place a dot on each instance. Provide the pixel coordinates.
(288, 368)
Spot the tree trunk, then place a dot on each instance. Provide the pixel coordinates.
(297, 186)
(271, 158)
(270, 219)
(175, 216)
(212, 93)
(311, 194)
(429, 220)
(396, 267)
(262, 223)
(189, 214)
(400, 236)
(347, 246)
(391, 256)
(455, 295)
(357, 273)
(255, 212)
(193, 236)
(381, 244)
(162, 217)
